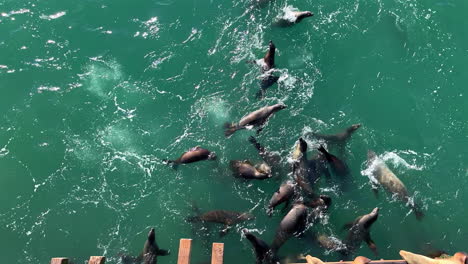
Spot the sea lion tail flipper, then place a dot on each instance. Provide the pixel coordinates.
(229, 129)
(371, 245)
(163, 252)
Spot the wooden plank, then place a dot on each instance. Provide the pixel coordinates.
(97, 260)
(185, 248)
(217, 253)
(59, 261)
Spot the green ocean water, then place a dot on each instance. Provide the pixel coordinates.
(94, 94)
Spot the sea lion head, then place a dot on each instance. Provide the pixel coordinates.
(271, 45)
(264, 168)
(354, 127)
(280, 106)
(368, 219)
(151, 235)
(302, 145)
(306, 14)
(326, 200)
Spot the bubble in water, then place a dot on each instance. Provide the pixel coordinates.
(101, 76)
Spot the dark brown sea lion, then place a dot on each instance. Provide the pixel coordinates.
(340, 137)
(359, 231)
(297, 17)
(245, 169)
(301, 169)
(390, 182)
(227, 218)
(338, 166)
(257, 119)
(284, 194)
(269, 59)
(193, 155)
(292, 224)
(150, 251)
(263, 253)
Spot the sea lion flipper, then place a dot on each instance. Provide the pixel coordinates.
(371, 243)
(163, 252)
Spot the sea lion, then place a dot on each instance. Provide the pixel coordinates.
(390, 182)
(227, 218)
(292, 224)
(284, 195)
(268, 61)
(263, 253)
(359, 231)
(338, 166)
(150, 252)
(411, 258)
(301, 169)
(193, 155)
(257, 119)
(339, 137)
(291, 18)
(245, 169)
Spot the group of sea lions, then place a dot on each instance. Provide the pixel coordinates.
(303, 205)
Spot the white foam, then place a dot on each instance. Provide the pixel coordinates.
(289, 13)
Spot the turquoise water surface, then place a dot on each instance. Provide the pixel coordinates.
(96, 93)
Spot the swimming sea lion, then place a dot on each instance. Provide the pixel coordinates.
(245, 169)
(150, 252)
(256, 119)
(193, 155)
(301, 169)
(268, 62)
(284, 194)
(292, 224)
(359, 231)
(227, 218)
(293, 18)
(338, 166)
(411, 258)
(340, 137)
(263, 253)
(390, 182)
